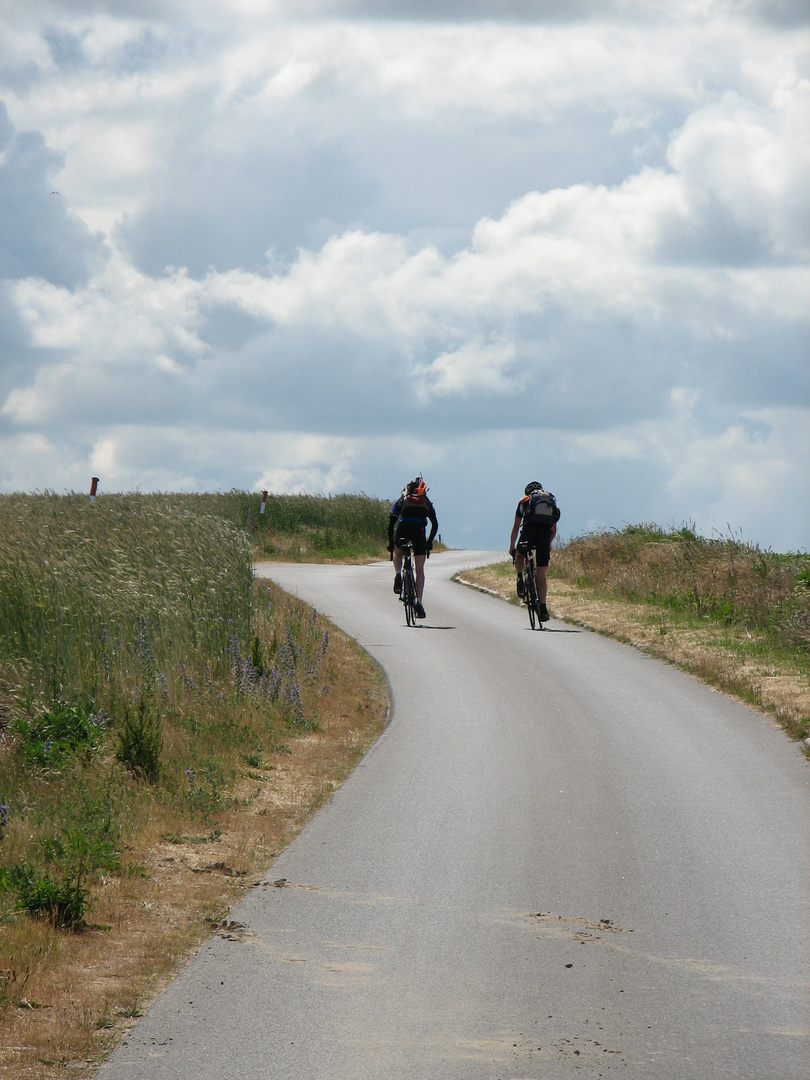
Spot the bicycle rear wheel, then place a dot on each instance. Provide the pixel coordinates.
(531, 603)
(531, 596)
(409, 595)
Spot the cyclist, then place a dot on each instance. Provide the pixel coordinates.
(408, 520)
(536, 520)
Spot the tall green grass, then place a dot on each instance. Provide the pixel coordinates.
(299, 526)
(90, 595)
(139, 664)
(337, 526)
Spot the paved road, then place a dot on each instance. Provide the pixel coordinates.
(561, 859)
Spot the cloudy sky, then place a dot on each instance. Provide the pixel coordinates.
(322, 245)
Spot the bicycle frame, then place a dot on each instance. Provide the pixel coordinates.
(530, 586)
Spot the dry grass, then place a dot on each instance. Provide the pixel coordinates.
(71, 995)
(729, 657)
(723, 580)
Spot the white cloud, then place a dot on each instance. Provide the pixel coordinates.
(310, 221)
(753, 162)
(475, 366)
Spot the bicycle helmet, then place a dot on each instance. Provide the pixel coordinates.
(535, 485)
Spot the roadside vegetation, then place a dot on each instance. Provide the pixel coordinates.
(734, 615)
(167, 724)
(302, 528)
(307, 528)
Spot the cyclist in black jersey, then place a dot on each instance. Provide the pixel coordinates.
(536, 520)
(409, 517)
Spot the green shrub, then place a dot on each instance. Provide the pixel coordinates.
(49, 739)
(76, 842)
(140, 734)
(64, 902)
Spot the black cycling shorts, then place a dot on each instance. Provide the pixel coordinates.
(539, 538)
(417, 538)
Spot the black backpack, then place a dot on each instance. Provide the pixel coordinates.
(541, 509)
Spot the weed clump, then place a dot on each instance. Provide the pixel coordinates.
(140, 736)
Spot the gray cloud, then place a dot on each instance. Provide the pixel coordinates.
(465, 10)
(40, 236)
(781, 13)
(432, 180)
(527, 11)
(227, 212)
(712, 237)
(66, 48)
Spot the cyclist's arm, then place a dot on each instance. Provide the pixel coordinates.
(393, 517)
(514, 536)
(434, 524)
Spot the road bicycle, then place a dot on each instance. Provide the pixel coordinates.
(408, 592)
(530, 585)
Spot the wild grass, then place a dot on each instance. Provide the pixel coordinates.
(152, 694)
(302, 528)
(97, 597)
(723, 580)
(131, 634)
(339, 526)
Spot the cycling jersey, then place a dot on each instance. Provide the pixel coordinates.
(538, 537)
(408, 519)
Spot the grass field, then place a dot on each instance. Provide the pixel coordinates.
(166, 725)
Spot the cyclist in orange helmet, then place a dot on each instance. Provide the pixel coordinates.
(408, 519)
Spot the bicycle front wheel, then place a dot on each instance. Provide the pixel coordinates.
(531, 598)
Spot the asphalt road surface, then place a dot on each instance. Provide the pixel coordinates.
(562, 859)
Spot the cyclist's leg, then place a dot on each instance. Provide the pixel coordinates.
(402, 535)
(543, 556)
(419, 561)
(398, 554)
(542, 584)
(526, 541)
